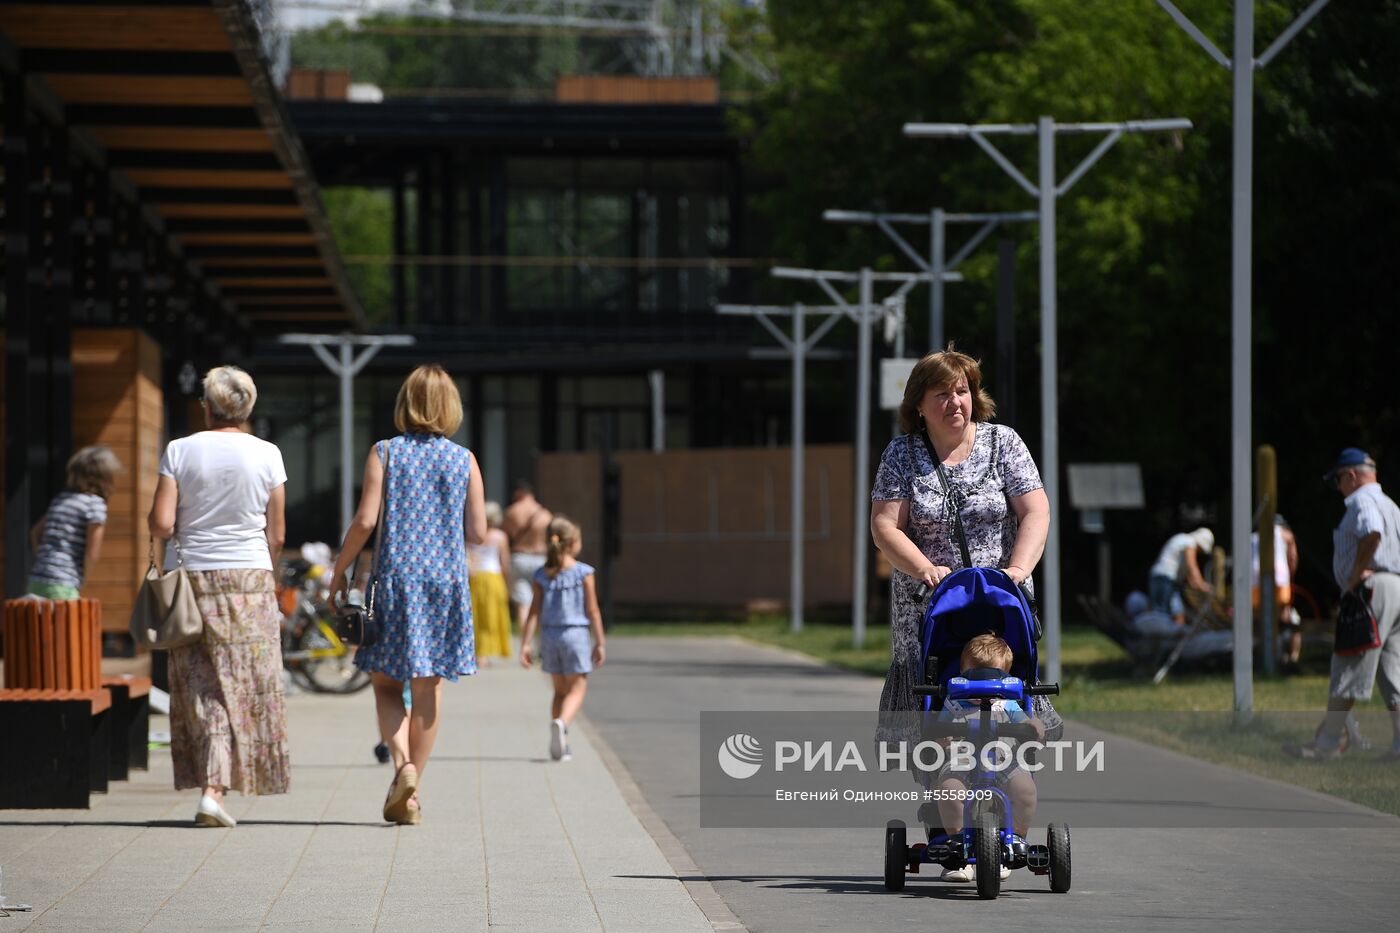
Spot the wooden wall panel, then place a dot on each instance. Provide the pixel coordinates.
(630, 89)
(712, 527)
(158, 90)
(190, 139)
(68, 26)
(117, 401)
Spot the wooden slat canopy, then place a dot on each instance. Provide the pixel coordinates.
(178, 94)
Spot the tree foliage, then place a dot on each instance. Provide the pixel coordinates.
(1143, 239)
(404, 53)
(362, 221)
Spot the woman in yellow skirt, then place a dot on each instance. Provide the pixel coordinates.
(490, 607)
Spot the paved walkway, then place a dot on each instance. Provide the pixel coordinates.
(510, 840)
(612, 841)
(1144, 860)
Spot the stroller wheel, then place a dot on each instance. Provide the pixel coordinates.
(987, 848)
(896, 855)
(1059, 857)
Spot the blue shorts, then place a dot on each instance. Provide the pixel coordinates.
(566, 649)
(1165, 595)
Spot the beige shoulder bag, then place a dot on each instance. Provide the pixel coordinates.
(166, 614)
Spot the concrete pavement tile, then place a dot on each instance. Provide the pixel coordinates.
(632, 912)
(509, 839)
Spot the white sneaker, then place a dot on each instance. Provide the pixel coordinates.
(964, 875)
(968, 874)
(556, 739)
(211, 814)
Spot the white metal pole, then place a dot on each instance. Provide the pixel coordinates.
(657, 378)
(1240, 329)
(799, 465)
(938, 248)
(1050, 453)
(347, 428)
(861, 531)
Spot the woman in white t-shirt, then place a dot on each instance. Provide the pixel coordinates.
(220, 501)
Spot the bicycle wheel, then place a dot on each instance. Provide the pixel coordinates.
(328, 663)
(293, 656)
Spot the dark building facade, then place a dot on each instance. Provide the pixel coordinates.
(159, 217)
(564, 262)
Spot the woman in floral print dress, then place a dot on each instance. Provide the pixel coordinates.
(1004, 509)
(219, 500)
(434, 505)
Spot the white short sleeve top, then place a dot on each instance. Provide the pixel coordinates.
(224, 479)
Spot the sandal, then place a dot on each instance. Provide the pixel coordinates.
(400, 792)
(413, 813)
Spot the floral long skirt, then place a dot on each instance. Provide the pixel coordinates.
(228, 714)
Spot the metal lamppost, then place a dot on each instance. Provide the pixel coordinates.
(796, 346)
(1241, 310)
(863, 312)
(1048, 191)
(346, 367)
(936, 266)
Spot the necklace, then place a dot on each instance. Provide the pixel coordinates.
(963, 447)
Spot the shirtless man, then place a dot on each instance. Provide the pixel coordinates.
(526, 524)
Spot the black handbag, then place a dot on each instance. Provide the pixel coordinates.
(358, 625)
(1356, 624)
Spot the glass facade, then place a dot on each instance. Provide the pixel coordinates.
(551, 258)
(510, 240)
(617, 235)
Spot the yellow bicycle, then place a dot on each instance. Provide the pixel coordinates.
(311, 650)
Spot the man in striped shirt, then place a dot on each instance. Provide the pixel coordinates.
(1366, 555)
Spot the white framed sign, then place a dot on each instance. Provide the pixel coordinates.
(894, 374)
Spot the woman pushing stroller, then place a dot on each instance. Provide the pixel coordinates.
(953, 461)
(956, 491)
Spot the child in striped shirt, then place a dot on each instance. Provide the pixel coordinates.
(67, 540)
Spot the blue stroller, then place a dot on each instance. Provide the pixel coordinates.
(966, 604)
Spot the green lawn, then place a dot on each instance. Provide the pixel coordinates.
(1100, 683)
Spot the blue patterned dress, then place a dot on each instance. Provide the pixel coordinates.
(423, 603)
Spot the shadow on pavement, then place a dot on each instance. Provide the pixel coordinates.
(850, 884)
(730, 668)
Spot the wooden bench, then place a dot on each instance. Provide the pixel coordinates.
(131, 723)
(56, 747)
(55, 715)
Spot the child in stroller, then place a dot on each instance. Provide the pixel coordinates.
(986, 657)
(978, 647)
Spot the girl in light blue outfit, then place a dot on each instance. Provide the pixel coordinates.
(565, 608)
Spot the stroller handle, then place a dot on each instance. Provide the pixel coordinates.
(923, 591)
(1034, 690)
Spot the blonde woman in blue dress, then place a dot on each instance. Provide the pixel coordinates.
(434, 507)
